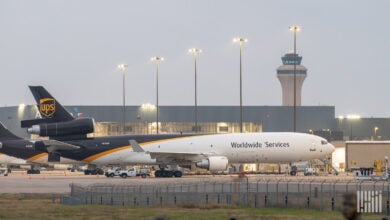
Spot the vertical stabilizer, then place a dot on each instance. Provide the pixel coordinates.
(48, 106)
(6, 134)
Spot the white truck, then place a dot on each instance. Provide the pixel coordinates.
(143, 172)
(309, 171)
(3, 172)
(115, 171)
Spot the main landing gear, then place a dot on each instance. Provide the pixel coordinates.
(35, 169)
(168, 173)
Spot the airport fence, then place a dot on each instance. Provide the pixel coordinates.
(374, 196)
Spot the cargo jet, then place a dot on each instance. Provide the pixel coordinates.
(16, 150)
(210, 151)
(215, 152)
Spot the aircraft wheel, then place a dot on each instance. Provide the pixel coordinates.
(164, 173)
(33, 171)
(169, 174)
(99, 171)
(178, 174)
(158, 173)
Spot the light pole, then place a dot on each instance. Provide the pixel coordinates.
(351, 119)
(330, 134)
(295, 29)
(195, 51)
(376, 128)
(240, 41)
(123, 68)
(146, 109)
(157, 60)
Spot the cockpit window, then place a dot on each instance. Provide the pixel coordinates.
(323, 142)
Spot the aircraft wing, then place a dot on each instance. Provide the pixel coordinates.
(170, 157)
(53, 145)
(177, 157)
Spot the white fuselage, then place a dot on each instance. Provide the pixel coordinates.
(250, 147)
(267, 147)
(5, 159)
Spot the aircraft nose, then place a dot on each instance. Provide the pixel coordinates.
(330, 148)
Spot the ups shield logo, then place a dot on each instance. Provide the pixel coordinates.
(47, 107)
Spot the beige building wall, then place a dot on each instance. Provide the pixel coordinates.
(365, 153)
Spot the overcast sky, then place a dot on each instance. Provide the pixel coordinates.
(73, 47)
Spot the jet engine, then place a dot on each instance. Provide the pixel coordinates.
(81, 126)
(214, 163)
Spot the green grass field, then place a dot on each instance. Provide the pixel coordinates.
(40, 206)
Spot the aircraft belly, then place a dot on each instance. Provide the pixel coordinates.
(107, 159)
(4, 159)
(63, 160)
(70, 161)
(42, 159)
(126, 156)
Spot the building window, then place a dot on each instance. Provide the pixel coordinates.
(223, 128)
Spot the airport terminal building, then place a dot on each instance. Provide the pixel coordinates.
(141, 119)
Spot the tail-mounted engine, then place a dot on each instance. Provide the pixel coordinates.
(214, 163)
(81, 126)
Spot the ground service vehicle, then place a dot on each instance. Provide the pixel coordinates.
(309, 171)
(3, 172)
(143, 172)
(94, 171)
(115, 171)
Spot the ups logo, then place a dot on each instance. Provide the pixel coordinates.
(47, 107)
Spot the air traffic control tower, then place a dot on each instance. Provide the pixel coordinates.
(285, 75)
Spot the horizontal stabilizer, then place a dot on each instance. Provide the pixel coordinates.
(31, 122)
(54, 146)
